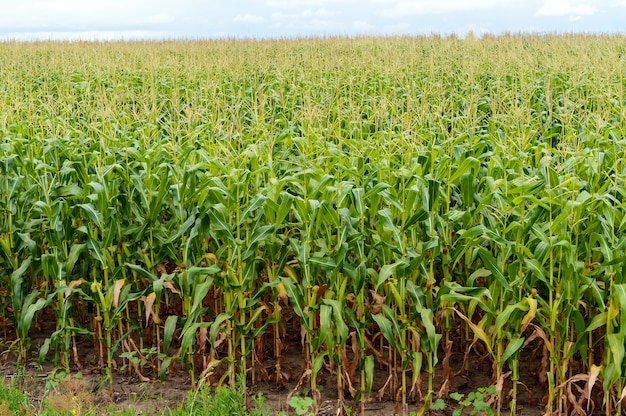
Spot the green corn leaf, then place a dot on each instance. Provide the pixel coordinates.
(418, 216)
(464, 168)
(141, 271)
(195, 271)
(619, 293)
(490, 262)
(504, 317)
(318, 362)
(295, 298)
(324, 263)
(338, 320)
(325, 330)
(17, 278)
(427, 320)
(6, 251)
(358, 201)
(215, 326)
(49, 265)
(513, 347)
(96, 251)
(453, 293)
(598, 321)
(286, 202)
(26, 319)
(259, 236)
(467, 190)
(386, 329)
(92, 214)
(537, 269)
(189, 222)
(27, 241)
(387, 271)
(199, 293)
(168, 331)
(69, 192)
(188, 334)
(75, 252)
(257, 202)
(254, 317)
(617, 348)
(43, 350)
(387, 221)
(164, 365)
(369, 371)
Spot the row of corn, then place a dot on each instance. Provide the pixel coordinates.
(391, 202)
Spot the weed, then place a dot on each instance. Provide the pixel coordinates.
(477, 401)
(13, 401)
(302, 405)
(206, 401)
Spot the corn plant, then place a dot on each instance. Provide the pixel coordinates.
(400, 200)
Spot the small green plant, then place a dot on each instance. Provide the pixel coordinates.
(133, 359)
(206, 401)
(12, 401)
(302, 405)
(477, 400)
(67, 395)
(53, 380)
(438, 404)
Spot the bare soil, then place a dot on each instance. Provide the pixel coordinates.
(130, 392)
(153, 397)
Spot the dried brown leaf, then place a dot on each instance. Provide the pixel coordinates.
(149, 302)
(447, 375)
(117, 288)
(282, 293)
(73, 285)
(593, 377)
(202, 337)
(168, 284)
(381, 391)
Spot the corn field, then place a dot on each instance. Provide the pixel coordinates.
(395, 200)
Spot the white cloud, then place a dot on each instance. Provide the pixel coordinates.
(320, 25)
(423, 7)
(161, 18)
(88, 35)
(363, 26)
(299, 4)
(305, 14)
(153, 19)
(572, 8)
(248, 18)
(80, 15)
(321, 12)
(397, 27)
(313, 26)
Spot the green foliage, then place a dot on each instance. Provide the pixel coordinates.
(183, 203)
(302, 405)
(13, 401)
(476, 402)
(438, 404)
(206, 401)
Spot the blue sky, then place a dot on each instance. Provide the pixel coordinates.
(158, 19)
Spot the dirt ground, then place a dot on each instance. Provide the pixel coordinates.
(152, 397)
(129, 392)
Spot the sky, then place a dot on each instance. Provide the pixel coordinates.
(197, 19)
